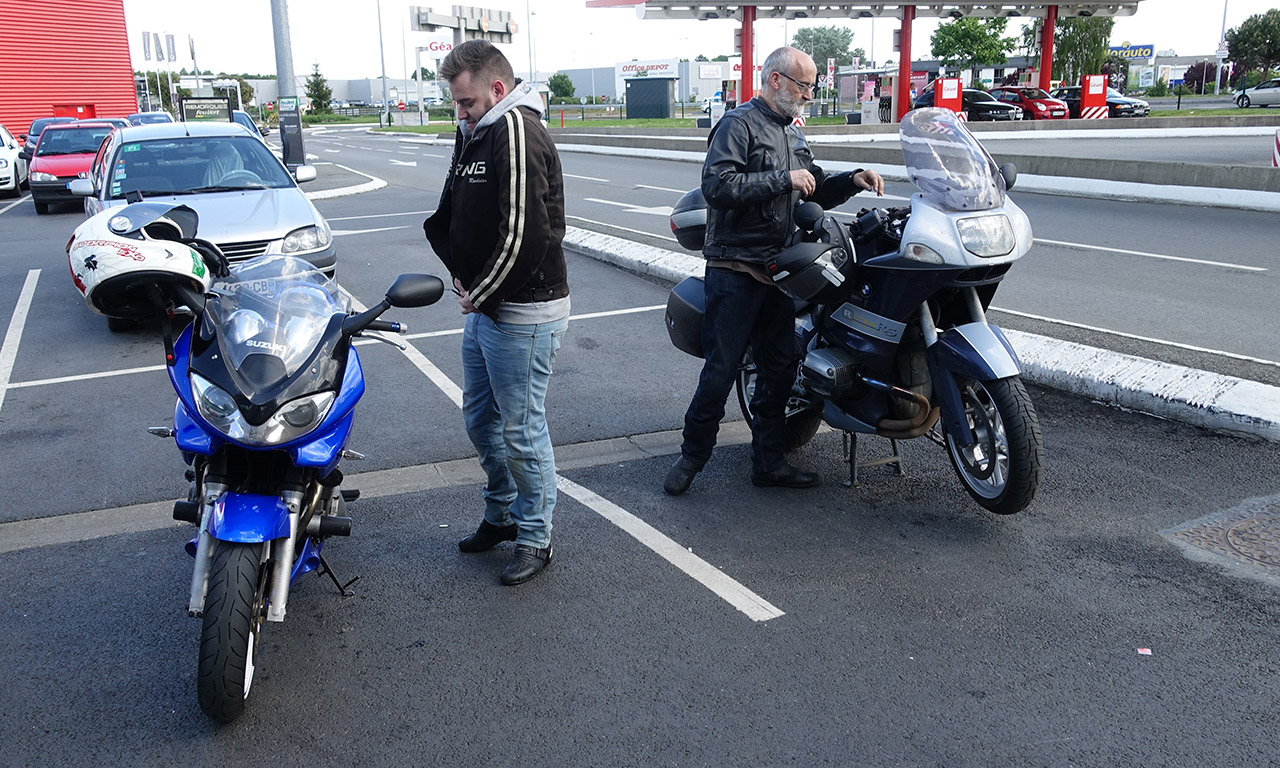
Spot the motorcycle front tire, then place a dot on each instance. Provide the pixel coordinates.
(801, 423)
(234, 609)
(1001, 468)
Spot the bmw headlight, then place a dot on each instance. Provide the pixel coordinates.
(987, 236)
(42, 176)
(306, 239)
(293, 420)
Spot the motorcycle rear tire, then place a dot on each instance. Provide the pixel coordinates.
(234, 609)
(801, 423)
(1001, 470)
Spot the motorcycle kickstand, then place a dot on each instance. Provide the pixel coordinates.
(342, 588)
(850, 444)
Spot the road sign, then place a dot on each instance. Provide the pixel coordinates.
(401, 106)
(271, 105)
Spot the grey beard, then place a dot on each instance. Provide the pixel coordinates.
(790, 104)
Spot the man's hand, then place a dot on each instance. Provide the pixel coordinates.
(464, 300)
(803, 181)
(869, 179)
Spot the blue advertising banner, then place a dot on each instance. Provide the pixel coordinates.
(1132, 51)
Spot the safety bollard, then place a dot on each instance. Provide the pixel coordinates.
(1275, 152)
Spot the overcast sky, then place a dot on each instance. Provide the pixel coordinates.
(342, 35)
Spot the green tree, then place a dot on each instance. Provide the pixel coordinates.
(318, 91)
(246, 90)
(1080, 47)
(701, 57)
(1116, 68)
(972, 43)
(824, 43)
(158, 84)
(560, 85)
(1255, 44)
(424, 75)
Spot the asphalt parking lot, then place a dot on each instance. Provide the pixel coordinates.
(908, 626)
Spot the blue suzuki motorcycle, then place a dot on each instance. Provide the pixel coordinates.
(892, 337)
(267, 383)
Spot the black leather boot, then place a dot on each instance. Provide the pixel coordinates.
(528, 562)
(487, 536)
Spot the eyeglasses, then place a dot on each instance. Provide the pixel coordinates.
(810, 87)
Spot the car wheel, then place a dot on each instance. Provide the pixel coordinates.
(1243, 101)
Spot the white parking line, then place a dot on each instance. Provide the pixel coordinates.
(624, 229)
(13, 337)
(378, 215)
(1136, 337)
(15, 203)
(1086, 247)
(728, 589)
(585, 178)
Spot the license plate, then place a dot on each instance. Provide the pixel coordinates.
(1057, 113)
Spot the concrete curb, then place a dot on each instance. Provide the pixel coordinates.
(1205, 399)
(1050, 185)
(325, 194)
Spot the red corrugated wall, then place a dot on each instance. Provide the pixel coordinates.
(63, 53)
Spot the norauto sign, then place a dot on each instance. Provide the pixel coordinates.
(1127, 51)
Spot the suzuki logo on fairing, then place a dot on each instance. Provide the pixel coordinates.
(472, 169)
(265, 345)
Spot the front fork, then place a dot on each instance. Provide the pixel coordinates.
(280, 552)
(974, 350)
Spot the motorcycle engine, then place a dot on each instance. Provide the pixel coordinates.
(830, 372)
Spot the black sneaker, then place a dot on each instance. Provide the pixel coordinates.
(786, 476)
(680, 476)
(487, 536)
(528, 562)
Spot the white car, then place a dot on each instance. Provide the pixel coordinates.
(709, 102)
(1261, 95)
(13, 169)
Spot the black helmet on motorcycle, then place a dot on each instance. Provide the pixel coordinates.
(811, 271)
(689, 219)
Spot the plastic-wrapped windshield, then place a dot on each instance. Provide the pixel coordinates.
(270, 315)
(947, 164)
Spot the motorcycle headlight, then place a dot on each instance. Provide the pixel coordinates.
(918, 252)
(306, 239)
(42, 176)
(293, 420)
(987, 236)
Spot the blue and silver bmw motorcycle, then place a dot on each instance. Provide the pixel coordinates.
(892, 336)
(267, 383)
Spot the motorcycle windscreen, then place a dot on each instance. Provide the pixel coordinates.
(947, 164)
(270, 315)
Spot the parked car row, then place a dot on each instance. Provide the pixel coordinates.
(1029, 103)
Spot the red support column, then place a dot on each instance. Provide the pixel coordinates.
(904, 62)
(748, 61)
(1046, 46)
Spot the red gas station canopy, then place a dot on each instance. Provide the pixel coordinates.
(749, 12)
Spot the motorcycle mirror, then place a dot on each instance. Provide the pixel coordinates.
(1010, 173)
(807, 216)
(415, 291)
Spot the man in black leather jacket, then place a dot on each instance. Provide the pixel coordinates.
(758, 168)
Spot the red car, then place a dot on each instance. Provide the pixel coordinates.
(64, 152)
(1035, 103)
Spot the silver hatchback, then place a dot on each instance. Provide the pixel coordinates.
(249, 204)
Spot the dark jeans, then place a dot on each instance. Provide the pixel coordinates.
(740, 311)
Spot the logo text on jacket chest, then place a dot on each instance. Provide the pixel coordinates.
(474, 171)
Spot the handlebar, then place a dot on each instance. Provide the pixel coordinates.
(388, 326)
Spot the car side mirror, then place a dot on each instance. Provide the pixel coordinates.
(1010, 173)
(81, 188)
(23, 155)
(304, 173)
(22, 137)
(415, 290)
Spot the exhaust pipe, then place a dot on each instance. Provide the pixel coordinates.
(904, 429)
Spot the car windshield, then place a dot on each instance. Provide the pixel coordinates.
(1033, 93)
(947, 164)
(56, 140)
(153, 117)
(195, 164)
(270, 314)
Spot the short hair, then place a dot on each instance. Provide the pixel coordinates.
(482, 59)
(781, 60)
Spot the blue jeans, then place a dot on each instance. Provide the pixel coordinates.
(743, 311)
(504, 388)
